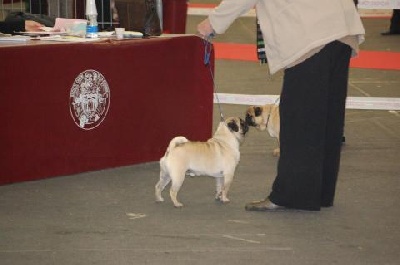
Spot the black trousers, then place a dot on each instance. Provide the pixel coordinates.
(395, 21)
(312, 109)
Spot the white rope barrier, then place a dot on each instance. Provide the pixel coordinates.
(370, 103)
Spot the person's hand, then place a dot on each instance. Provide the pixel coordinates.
(31, 25)
(204, 28)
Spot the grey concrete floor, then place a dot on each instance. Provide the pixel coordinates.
(110, 217)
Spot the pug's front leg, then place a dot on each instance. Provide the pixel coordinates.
(225, 189)
(219, 182)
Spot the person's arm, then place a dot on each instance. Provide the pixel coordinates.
(10, 27)
(221, 17)
(31, 25)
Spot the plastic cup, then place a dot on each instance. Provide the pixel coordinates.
(120, 33)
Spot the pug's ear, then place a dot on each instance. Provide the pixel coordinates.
(233, 126)
(257, 111)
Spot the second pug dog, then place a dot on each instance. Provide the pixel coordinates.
(218, 157)
(265, 117)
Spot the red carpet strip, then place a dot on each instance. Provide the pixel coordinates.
(366, 59)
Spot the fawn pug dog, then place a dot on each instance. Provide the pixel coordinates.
(265, 117)
(217, 157)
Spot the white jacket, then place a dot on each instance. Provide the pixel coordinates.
(292, 28)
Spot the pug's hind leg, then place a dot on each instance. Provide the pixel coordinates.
(219, 182)
(161, 184)
(276, 152)
(175, 187)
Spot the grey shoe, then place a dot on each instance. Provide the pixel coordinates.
(263, 206)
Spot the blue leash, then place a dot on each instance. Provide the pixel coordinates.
(207, 55)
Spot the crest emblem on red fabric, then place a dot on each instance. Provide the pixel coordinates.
(89, 99)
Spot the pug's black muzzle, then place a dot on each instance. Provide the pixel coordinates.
(250, 121)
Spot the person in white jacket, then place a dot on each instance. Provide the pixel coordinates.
(313, 41)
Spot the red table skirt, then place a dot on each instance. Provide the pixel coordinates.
(157, 89)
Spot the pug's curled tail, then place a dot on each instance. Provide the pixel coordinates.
(175, 142)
